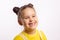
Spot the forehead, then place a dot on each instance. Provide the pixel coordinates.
(28, 12)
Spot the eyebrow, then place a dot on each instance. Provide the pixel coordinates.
(32, 15)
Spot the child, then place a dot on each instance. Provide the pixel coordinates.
(28, 19)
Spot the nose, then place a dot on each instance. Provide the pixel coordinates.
(31, 19)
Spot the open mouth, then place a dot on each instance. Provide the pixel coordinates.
(31, 24)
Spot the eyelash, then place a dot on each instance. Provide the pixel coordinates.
(33, 16)
(27, 18)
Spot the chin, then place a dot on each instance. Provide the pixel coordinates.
(33, 28)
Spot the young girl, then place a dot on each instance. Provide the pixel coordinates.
(28, 19)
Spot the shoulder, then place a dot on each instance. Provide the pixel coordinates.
(42, 35)
(18, 37)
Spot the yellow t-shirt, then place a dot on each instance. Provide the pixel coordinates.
(37, 36)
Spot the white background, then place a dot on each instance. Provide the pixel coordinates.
(48, 12)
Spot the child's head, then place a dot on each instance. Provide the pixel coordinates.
(27, 16)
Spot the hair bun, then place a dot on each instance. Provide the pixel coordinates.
(16, 9)
(31, 5)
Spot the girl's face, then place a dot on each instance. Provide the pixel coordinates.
(29, 19)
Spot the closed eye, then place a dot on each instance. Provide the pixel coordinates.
(33, 16)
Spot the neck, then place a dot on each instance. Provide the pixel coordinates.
(30, 31)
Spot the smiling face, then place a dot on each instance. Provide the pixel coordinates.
(29, 19)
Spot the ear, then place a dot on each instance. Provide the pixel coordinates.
(20, 21)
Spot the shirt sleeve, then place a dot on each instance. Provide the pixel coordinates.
(43, 36)
(18, 37)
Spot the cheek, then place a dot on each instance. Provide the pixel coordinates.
(36, 19)
(26, 22)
